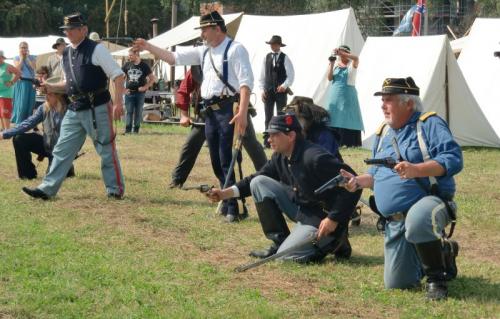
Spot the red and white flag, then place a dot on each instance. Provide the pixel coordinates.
(417, 18)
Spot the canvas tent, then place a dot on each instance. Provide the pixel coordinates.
(309, 41)
(431, 63)
(482, 70)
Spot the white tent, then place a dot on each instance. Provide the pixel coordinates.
(431, 63)
(482, 70)
(309, 41)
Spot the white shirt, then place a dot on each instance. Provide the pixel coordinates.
(239, 68)
(101, 57)
(290, 72)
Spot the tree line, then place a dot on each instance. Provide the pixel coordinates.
(42, 17)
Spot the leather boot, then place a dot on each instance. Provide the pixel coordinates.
(450, 251)
(273, 225)
(432, 259)
(344, 251)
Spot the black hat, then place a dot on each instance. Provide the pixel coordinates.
(284, 123)
(399, 86)
(211, 19)
(73, 20)
(276, 39)
(59, 41)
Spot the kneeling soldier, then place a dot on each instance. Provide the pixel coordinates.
(286, 184)
(415, 196)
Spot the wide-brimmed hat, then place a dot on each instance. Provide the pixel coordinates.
(284, 123)
(398, 86)
(211, 19)
(276, 39)
(74, 20)
(55, 90)
(2, 54)
(59, 41)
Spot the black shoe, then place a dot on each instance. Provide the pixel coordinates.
(437, 290)
(115, 196)
(35, 193)
(344, 251)
(71, 172)
(450, 252)
(264, 253)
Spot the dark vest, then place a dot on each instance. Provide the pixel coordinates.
(91, 79)
(275, 75)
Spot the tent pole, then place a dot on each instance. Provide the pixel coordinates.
(447, 94)
(172, 68)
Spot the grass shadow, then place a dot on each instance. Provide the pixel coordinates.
(481, 289)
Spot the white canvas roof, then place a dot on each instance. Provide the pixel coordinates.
(185, 32)
(309, 41)
(431, 63)
(482, 70)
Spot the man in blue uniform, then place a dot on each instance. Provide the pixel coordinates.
(286, 184)
(87, 66)
(227, 81)
(416, 195)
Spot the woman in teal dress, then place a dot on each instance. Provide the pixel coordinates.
(342, 100)
(24, 93)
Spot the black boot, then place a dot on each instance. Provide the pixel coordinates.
(450, 251)
(344, 251)
(274, 226)
(432, 259)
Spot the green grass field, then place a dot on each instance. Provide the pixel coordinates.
(162, 253)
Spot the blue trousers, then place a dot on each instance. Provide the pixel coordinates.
(74, 129)
(219, 134)
(133, 104)
(424, 222)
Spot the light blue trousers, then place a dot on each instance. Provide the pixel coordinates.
(74, 129)
(265, 187)
(424, 222)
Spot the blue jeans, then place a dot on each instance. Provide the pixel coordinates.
(134, 103)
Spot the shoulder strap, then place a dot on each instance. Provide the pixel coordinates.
(223, 77)
(380, 133)
(423, 146)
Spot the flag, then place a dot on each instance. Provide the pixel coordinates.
(405, 26)
(417, 18)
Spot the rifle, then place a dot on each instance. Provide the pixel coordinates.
(311, 239)
(204, 188)
(334, 182)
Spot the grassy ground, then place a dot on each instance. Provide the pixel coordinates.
(162, 254)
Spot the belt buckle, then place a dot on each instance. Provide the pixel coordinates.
(215, 106)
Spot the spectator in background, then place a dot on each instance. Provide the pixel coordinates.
(54, 62)
(343, 105)
(8, 76)
(24, 92)
(276, 77)
(42, 74)
(139, 79)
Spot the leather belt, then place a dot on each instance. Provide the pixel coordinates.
(214, 102)
(80, 96)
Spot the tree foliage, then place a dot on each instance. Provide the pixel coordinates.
(42, 17)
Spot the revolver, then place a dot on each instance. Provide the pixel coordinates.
(204, 188)
(334, 182)
(388, 162)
